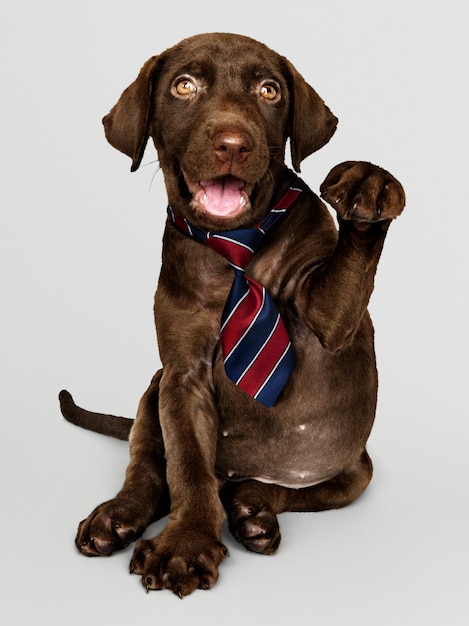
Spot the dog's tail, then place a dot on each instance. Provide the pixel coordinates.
(110, 425)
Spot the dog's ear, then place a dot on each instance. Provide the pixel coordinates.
(127, 125)
(312, 124)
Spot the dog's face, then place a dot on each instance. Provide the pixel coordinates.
(220, 109)
(225, 125)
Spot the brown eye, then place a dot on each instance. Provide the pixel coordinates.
(269, 91)
(185, 87)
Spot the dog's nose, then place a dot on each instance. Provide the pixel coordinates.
(232, 147)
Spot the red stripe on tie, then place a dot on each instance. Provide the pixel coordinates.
(290, 196)
(181, 224)
(235, 253)
(242, 318)
(266, 361)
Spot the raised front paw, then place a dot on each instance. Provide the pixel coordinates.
(363, 192)
(110, 527)
(179, 559)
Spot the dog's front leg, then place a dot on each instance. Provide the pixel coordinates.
(186, 554)
(335, 298)
(143, 499)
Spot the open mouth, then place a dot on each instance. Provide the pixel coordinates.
(222, 197)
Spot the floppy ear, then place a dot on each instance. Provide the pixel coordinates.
(127, 125)
(312, 124)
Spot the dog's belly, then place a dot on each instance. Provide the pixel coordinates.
(292, 452)
(291, 460)
(319, 427)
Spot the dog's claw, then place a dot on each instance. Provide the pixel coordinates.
(148, 583)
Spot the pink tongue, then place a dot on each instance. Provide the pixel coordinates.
(222, 196)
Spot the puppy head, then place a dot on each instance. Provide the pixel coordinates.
(220, 109)
(127, 126)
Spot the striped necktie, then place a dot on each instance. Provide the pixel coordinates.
(257, 352)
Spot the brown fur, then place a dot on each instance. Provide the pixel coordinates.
(199, 445)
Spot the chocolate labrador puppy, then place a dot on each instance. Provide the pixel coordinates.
(220, 109)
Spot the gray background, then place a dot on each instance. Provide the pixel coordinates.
(80, 249)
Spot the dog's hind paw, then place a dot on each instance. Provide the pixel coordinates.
(256, 527)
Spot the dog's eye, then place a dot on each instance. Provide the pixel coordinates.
(185, 87)
(269, 91)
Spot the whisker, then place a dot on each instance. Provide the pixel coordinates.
(154, 173)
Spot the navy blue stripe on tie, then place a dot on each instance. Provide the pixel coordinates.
(239, 351)
(273, 385)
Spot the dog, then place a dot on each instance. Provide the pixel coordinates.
(220, 109)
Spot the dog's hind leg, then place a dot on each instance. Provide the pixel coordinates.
(143, 498)
(252, 507)
(335, 493)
